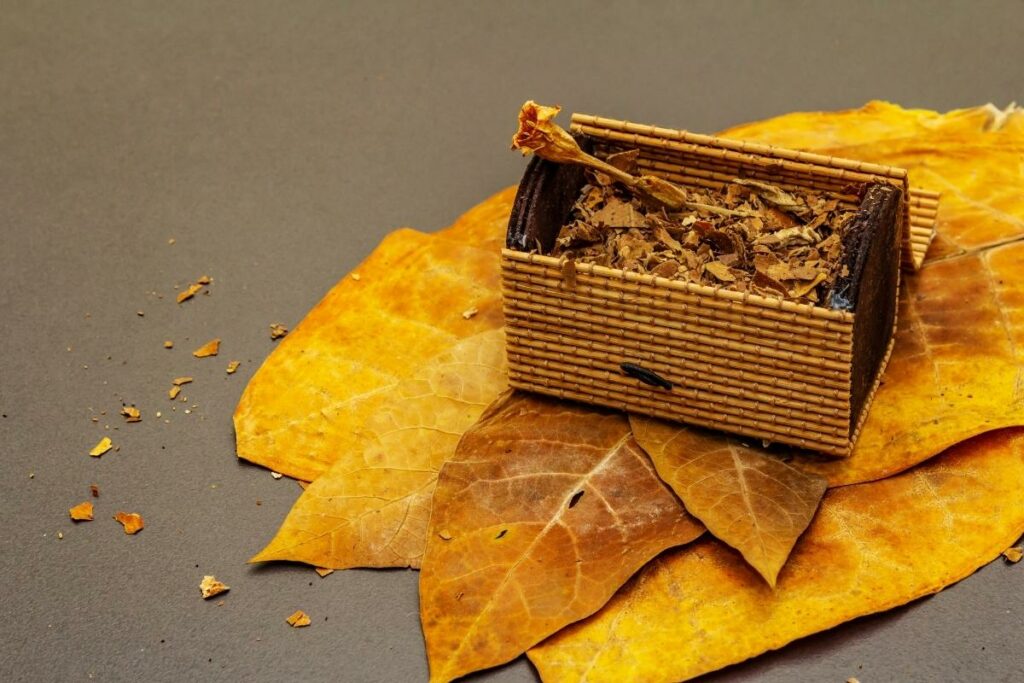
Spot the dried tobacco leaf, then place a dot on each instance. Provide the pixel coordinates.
(971, 155)
(81, 512)
(871, 547)
(544, 511)
(303, 404)
(210, 348)
(754, 502)
(131, 521)
(370, 509)
(211, 587)
(104, 445)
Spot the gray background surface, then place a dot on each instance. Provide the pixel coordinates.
(277, 143)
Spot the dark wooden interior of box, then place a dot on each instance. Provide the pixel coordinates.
(871, 255)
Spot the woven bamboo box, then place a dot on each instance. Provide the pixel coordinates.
(758, 366)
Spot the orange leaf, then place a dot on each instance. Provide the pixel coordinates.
(371, 508)
(210, 348)
(545, 510)
(872, 547)
(300, 409)
(745, 497)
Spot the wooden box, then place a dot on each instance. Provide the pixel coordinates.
(758, 366)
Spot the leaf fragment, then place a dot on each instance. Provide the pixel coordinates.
(104, 445)
(371, 508)
(746, 498)
(131, 521)
(277, 330)
(1014, 555)
(210, 587)
(178, 381)
(81, 512)
(131, 414)
(544, 511)
(232, 367)
(299, 410)
(210, 348)
(871, 547)
(298, 619)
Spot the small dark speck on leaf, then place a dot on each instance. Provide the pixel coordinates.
(501, 534)
(575, 499)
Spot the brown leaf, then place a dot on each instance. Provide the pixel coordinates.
(720, 271)
(131, 521)
(546, 509)
(299, 410)
(754, 502)
(81, 512)
(371, 508)
(872, 547)
(210, 348)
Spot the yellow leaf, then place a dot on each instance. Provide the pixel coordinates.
(371, 508)
(545, 510)
(299, 410)
(104, 445)
(971, 155)
(747, 498)
(871, 547)
(298, 619)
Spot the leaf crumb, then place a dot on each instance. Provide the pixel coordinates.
(178, 381)
(232, 367)
(131, 521)
(210, 348)
(1014, 554)
(102, 447)
(131, 414)
(277, 330)
(81, 512)
(211, 587)
(94, 490)
(276, 475)
(470, 313)
(168, 344)
(298, 619)
(323, 571)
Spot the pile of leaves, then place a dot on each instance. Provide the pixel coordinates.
(750, 236)
(614, 547)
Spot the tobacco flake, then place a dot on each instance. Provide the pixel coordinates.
(131, 414)
(1014, 554)
(210, 348)
(298, 619)
(232, 367)
(173, 392)
(323, 571)
(189, 292)
(102, 447)
(277, 330)
(211, 587)
(81, 512)
(131, 521)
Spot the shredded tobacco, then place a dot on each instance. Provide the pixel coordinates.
(750, 236)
